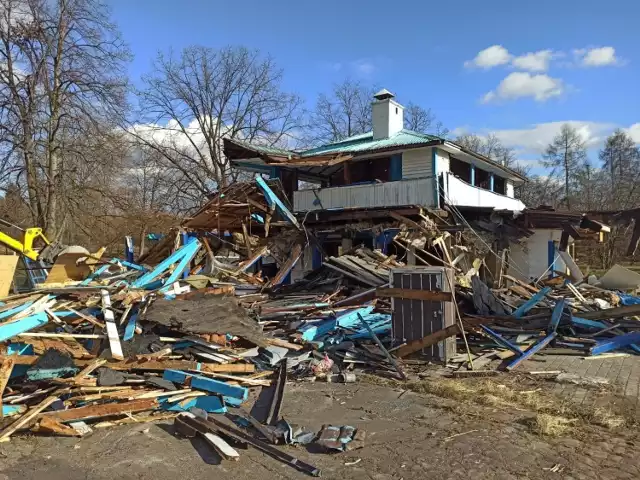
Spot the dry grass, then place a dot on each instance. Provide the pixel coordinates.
(553, 414)
(606, 418)
(551, 425)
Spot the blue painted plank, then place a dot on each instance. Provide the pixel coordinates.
(9, 410)
(348, 319)
(551, 257)
(532, 351)
(583, 322)
(434, 171)
(11, 329)
(272, 198)
(556, 316)
(19, 348)
(532, 302)
(182, 256)
(14, 310)
(207, 384)
(130, 329)
(210, 404)
(395, 167)
(614, 343)
(501, 341)
(94, 275)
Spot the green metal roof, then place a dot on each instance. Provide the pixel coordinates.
(364, 142)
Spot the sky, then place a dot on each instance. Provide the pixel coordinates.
(516, 69)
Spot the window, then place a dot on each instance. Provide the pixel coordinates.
(460, 169)
(483, 179)
(499, 185)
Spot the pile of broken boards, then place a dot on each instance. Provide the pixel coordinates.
(131, 344)
(555, 317)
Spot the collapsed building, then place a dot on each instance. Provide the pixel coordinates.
(358, 190)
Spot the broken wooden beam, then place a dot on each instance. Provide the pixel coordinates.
(428, 295)
(103, 410)
(156, 365)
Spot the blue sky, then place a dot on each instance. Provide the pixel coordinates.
(518, 69)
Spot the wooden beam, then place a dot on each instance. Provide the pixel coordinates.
(5, 372)
(438, 336)
(27, 418)
(112, 328)
(50, 425)
(156, 365)
(104, 410)
(617, 312)
(427, 341)
(428, 295)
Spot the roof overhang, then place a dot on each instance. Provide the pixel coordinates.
(483, 162)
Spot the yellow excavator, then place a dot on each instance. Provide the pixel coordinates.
(47, 253)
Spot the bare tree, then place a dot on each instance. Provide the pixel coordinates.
(345, 112)
(489, 146)
(422, 120)
(191, 101)
(61, 82)
(621, 157)
(565, 156)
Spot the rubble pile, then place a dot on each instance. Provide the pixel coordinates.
(188, 332)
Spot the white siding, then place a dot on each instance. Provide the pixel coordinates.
(510, 192)
(462, 194)
(529, 259)
(442, 162)
(390, 194)
(417, 163)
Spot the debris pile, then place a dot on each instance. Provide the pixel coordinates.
(194, 329)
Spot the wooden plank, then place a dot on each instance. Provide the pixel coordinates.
(427, 341)
(156, 365)
(278, 342)
(225, 450)
(6, 368)
(50, 425)
(104, 410)
(7, 271)
(112, 328)
(414, 294)
(617, 312)
(26, 419)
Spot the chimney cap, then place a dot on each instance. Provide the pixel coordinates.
(383, 94)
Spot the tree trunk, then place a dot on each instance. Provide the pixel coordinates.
(566, 178)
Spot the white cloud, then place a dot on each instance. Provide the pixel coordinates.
(490, 57)
(363, 67)
(597, 57)
(534, 139)
(534, 61)
(634, 132)
(516, 85)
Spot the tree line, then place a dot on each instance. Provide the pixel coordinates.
(90, 155)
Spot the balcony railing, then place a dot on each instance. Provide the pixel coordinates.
(460, 193)
(420, 191)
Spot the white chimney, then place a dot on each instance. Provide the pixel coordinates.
(387, 115)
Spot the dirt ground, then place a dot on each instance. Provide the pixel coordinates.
(409, 436)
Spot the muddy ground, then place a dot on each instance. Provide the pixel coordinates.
(437, 435)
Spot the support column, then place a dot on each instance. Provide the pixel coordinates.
(473, 175)
(491, 182)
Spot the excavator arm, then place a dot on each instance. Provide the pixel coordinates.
(25, 247)
(48, 252)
